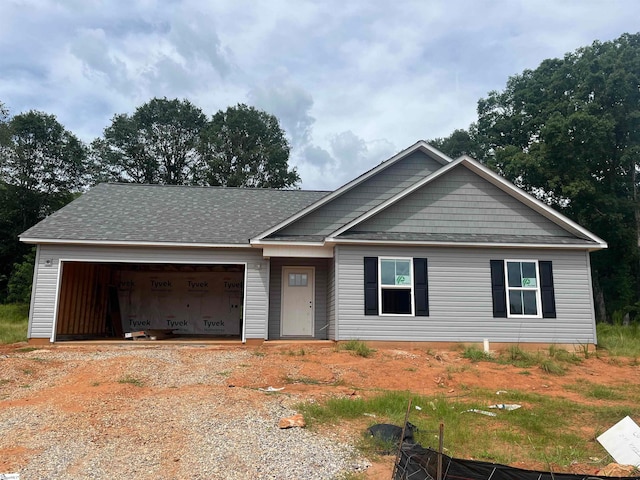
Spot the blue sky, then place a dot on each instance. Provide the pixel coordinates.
(352, 82)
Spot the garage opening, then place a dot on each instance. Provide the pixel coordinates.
(108, 300)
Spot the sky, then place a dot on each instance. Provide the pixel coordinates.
(351, 82)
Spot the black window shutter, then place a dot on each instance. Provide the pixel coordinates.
(546, 290)
(421, 287)
(371, 285)
(498, 290)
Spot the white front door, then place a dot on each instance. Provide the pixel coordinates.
(297, 302)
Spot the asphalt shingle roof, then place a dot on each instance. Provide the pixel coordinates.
(172, 214)
(454, 238)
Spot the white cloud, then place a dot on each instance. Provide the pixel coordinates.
(351, 82)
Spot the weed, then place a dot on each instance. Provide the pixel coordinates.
(131, 380)
(95, 384)
(258, 353)
(552, 367)
(411, 369)
(476, 355)
(4, 381)
(358, 348)
(597, 391)
(26, 349)
(27, 371)
(619, 340)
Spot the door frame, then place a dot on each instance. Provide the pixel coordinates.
(284, 280)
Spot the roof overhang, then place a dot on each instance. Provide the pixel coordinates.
(432, 243)
(123, 243)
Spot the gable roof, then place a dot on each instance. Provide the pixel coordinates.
(128, 214)
(581, 235)
(421, 146)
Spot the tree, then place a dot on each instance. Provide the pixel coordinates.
(460, 142)
(569, 133)
(157, 144)
(42, 166)
(246, 147)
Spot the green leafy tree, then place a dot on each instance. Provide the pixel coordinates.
(157, 144)
(21, 279)
(42, 166)
(460, 142)
(569, 133)
(246, 147)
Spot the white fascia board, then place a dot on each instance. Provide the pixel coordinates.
(495, 179)
(113, 243)
(404, 243)
(298, 251)
(420, 145)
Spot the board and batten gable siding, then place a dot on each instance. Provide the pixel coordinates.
(46, 277)
(461, 202)
(320, 284)
(460, 300)
(365, 196)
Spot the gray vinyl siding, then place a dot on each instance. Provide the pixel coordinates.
(460, 299)
(331, 299)
(461, 202)
(41, 317)
(275, 293)
(365, 196)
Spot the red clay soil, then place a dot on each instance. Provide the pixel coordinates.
(308, 372)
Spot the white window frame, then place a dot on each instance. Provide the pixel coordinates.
(394, 287)
(508, 289)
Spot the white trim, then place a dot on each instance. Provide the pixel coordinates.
(56, 306)
(537, 288)
(185, 262)
(311, 278)
(592, 301)
(421, 145)
(260, 243)
(299, 251)
(118, 243)
(411, 288)
(428, 243)
(493, 178)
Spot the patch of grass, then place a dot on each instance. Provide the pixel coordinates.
(296, 353)
(14, 321)
(619, 340)
(27, 371)
(358, 348)
(563, 355)
(518, 357)
(476, 355)
(95, 384)
(131, 380)
(597, 391)
(552, 367)
(518, 435)
(26, 349)
(258, 353)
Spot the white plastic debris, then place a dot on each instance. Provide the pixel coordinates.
(271, 389)
(499, 392)
(9, 476)
(482, 412)
(506, 406)
(418, 408)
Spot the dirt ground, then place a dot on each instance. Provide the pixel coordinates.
(306, 371)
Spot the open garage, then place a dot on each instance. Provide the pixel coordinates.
(108, 300)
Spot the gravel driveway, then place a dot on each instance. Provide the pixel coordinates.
(170, 412)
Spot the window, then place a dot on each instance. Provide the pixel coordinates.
(395, 286)
(297, 279)
(522, 288)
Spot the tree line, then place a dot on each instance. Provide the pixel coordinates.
(568, 132)
(43, 166)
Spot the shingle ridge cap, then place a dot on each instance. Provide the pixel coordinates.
(211, 187)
